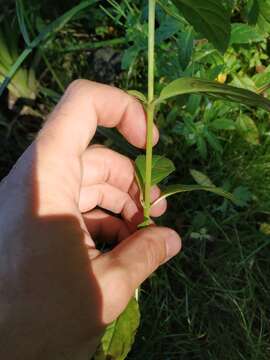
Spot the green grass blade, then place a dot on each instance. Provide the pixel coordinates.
(193, 85)
(21, 20)
(43, 35)
(61, 21)
(6, 58)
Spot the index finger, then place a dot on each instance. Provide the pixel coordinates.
(87, 104)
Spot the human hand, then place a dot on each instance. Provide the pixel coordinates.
(57, 291)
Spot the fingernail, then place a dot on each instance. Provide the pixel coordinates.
(173, 244)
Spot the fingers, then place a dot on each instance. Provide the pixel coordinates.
(105, 166)
(109, 198)
(105, 226)
(87, 104)
(102, 165)
(122, 270)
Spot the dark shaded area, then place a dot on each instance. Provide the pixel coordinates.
(50, 277)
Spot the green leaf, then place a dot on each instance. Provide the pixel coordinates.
(119, 336)
(185, 42)
(252, 12)
(244, 34)
(6, 58)
(21, 21)
(223, 124)
(248, 129)
(129, 57)
(138, 95)
(179, 188)
(193, 85)
(263, 19)
(213, 141)
(245, 82)
(208, 17)
(202, 147)
(200, 178)
(242, 196)
(161, 168)
(167, 28)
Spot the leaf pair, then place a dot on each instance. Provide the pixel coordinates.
(163, 167)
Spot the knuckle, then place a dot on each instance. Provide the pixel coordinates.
(77, 84)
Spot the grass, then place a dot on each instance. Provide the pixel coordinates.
(212, 301)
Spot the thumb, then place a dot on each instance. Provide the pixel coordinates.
(124, 268)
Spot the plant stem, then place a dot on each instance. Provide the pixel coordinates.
(150, 107)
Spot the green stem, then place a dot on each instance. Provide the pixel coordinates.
(150, 107)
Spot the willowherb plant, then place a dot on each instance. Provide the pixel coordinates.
(212, 19)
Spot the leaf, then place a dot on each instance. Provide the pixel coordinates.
(263, 19)
(242, 195)
(248, 129)
(193, 85)
(21, 21)
(193, 104)
(253, 12)
(245, 82)
(185, 42)
(223, 124)
(119, 336)
(161, 168)
(179, 188)
(201, 178)
(138, 95)
(244, 34)
(213, 141)
(202, 147)
(168, 28)
(208, 17)
(129, 57)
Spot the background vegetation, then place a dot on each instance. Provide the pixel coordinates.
(212, 301)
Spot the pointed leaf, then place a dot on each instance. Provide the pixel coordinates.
(179, 188)
(185, 41)
(201, 178)
(161, 168)
(248, 129)
(119, 336)
(223, 124)
(193, 85)
(244, 34)
(208, 17)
